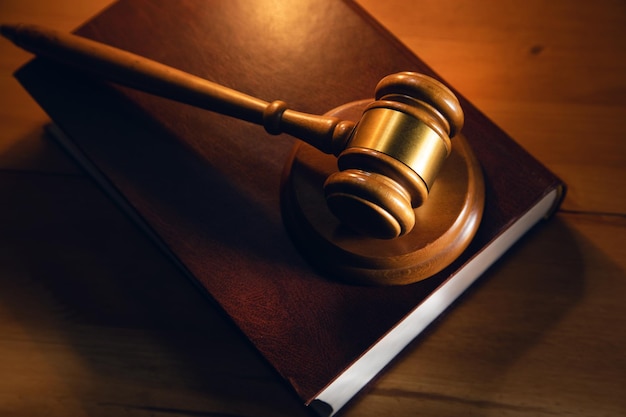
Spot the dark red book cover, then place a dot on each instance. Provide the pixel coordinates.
(207, 187)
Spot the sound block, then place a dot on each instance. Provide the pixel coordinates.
(445, 223)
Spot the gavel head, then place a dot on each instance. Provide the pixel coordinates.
(393, 155)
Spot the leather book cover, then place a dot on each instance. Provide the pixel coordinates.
(207, 186)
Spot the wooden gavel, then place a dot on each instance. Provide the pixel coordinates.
(387, 161)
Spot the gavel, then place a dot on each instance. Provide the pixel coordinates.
(387, 161)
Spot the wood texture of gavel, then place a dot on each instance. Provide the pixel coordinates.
(387, 161)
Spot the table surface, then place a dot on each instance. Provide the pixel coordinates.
(542, 334)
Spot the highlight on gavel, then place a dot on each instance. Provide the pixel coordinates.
(387, 161)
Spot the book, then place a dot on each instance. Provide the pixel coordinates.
(205, 187)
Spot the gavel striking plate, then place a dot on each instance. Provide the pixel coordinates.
(376, 192)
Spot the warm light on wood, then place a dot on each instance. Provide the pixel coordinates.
(94, 320)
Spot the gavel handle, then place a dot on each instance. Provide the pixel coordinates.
(328, 134)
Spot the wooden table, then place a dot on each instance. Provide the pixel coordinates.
(93, 320)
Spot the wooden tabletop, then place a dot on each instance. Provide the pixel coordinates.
(94, 322)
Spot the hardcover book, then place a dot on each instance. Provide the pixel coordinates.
(206, 187)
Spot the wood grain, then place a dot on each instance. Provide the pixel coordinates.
(542, 335)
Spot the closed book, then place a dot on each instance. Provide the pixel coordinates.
(206, 187)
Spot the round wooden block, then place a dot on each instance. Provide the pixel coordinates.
(445, 224)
